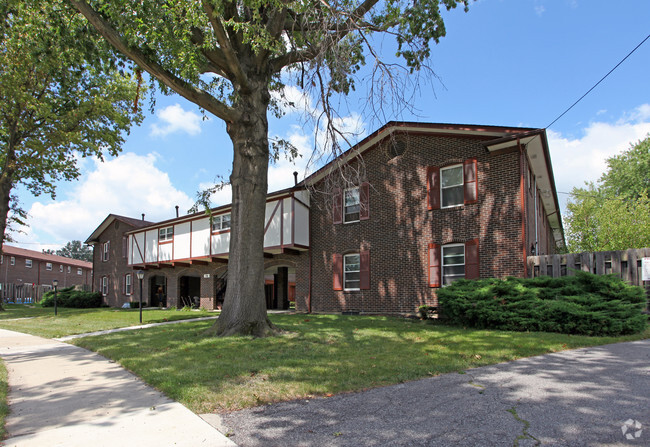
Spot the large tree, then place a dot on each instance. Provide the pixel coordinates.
(61, 97)
(76, 250)
(228, 57)
(613, 214)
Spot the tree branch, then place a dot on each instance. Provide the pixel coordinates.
(180, 86)
(229, 53)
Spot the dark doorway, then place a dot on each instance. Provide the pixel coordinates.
(190, 291)
(158, 291)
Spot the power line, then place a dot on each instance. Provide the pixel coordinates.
(602, 79)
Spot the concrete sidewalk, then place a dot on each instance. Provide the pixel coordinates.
(62, 395)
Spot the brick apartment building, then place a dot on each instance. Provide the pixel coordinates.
(431, 203)
(26, 274)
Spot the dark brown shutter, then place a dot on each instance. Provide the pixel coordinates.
(471, 185)
(471, 259)
(337, 271)
(433, 188)
(364, 280)
(364, 201)
(434, 265)
(337, 206)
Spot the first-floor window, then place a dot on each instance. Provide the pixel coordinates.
(127, 284)
(104, 285)
(351, 271)
(453, 263)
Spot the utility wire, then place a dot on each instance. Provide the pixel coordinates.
(602, 79)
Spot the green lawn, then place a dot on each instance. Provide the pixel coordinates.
(4, 408)
(318, 356)
(42, 322)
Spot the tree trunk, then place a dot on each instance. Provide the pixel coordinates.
(244, 308)
(6, 185)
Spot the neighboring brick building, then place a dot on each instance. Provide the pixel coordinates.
(431, 203)
(26, 274)
(112, 275)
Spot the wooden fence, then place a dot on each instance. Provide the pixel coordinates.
(624, 263)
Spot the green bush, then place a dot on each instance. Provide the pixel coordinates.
(584, 304)
(69, 297)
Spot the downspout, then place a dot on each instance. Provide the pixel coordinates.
(522, 189)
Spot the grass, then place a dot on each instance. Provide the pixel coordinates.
(320, 355)
(4, 408)
(40, 321)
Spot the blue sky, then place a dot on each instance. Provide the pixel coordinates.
(505, 62)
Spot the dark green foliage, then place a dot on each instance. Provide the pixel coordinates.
(69, 297)
(584, 304)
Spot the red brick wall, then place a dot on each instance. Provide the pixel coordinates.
(38, 273)
(401, 227)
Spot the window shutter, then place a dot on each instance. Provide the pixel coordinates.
(434, 265)
(364, 201)
(471, 184)
(433, 188)
(337, 271)
(337, 206)
(364, 280)
(471, 259)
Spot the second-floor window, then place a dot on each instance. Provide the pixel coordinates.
(12, 261)
(61, 268)
(351, 205)
(220, 223)
(451, 186)
(69, 269)
(105, 251)
(79, 271)
(48, 266)
(166, 234)
(28, 263)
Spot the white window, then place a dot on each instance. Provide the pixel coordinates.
(28, 263)
(451, 186)
(127, 284)
(166, 234)
(12, 261)
(106, 248)
(351, 205)
(104, 285)
(351, 271)
(221, 222)
(48, 266)
(79, 271)
(69, 269)
(61, 268)
(453, 263)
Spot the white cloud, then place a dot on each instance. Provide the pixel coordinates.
(539, 10)
(128, 185)
(580, 160)
(175, 119)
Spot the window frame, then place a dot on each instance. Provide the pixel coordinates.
(358, 204)
(104, 285)
(346, 272)
(443, 265)
(461, 185)
(106, 246)
(29, 263)
(167, 238)
(220, 228)
(128, 284)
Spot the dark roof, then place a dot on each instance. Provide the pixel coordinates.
(32, 254)
(135, 223)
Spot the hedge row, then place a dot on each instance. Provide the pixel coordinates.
(585, 304)
(69, 297)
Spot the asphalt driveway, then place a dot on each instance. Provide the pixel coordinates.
(587, 397)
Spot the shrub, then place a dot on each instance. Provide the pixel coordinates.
(69, 297)
(585, 304)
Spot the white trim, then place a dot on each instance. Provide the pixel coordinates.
(358, 255)
(462, 185)
(358, 204)
(218, 222)
(443, 265)
(128, 284)
(164, 234)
